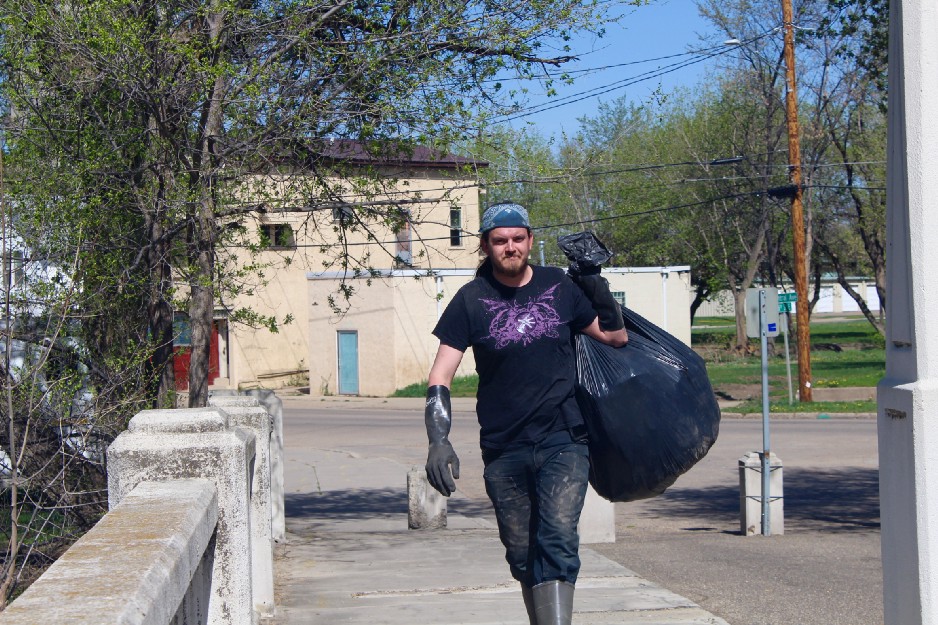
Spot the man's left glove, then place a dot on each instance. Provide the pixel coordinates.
(442, 462)
(596, 289)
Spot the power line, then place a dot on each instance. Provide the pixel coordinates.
(651, 211)
(708, 53)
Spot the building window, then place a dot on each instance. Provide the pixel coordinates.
(13, 268)
(619, 296)
(182, 331)
(402, 243)
(277, 236)
(343, 215)
(455, 226)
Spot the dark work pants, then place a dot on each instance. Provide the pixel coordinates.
(538, 492)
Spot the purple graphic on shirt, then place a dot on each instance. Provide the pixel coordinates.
(523, 323)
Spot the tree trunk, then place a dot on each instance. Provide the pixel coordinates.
(739, 288)
(701, 293)
(163, 376)
(842, 280)
(742, 341)
(200, 319)
(202, 245)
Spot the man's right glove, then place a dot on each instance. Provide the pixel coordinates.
(596, 289)
(442, 462)
(587, 254)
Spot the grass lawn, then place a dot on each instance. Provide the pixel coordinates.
(463, 386)
(852, 332)
(821, 407)
(844, 353)
(854, 367)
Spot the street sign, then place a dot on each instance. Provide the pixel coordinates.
(783, 307)
(787, 298)
(761, 313)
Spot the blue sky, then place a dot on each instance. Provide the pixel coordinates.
(660, 29)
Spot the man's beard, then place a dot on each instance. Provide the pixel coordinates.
(510, 271)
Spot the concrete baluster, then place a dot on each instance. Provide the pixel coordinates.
(274, 406)
(164, 445)
(246, 412)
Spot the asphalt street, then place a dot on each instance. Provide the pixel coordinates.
(825, 569)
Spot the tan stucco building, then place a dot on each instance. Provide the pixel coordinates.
(363, 326)
(384, 341)
(284, 242)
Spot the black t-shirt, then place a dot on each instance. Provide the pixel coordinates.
(521, 341)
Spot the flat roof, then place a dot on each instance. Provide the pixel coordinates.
(433, 273)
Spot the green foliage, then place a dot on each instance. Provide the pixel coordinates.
(149, 125)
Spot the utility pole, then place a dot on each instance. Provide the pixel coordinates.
(803, 335)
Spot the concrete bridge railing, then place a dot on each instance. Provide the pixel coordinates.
(194, 497)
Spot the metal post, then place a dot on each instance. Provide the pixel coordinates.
(791, 397)
(541, 246)
(764, 342)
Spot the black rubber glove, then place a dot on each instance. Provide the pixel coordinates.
(596, 289)
(442, 463)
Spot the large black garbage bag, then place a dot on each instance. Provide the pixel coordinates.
(649, 408)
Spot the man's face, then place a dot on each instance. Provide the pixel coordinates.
(509, 249)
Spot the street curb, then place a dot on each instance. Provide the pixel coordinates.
(468, 404)
(800, 415)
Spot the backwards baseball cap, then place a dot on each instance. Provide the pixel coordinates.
(504, 215)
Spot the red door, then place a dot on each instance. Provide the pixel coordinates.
(182, 351)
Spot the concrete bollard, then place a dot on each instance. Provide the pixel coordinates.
(197, 443)
(246, 412)
(597, 520)
(750, 495)
(426, 508)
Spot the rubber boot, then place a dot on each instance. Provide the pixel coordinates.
(528, 594)
(553, 603)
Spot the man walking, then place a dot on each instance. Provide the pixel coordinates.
(518, 319)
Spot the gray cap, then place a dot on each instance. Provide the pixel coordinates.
(504, 215)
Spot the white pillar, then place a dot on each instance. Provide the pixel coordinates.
(908, 395)
(161, 445)
(246, 412)
(274, 407)
(597, 520)
(750, 495)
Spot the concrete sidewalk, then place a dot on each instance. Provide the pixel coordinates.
(350, 558)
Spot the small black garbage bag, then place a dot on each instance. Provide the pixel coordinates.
(585, 252)
(649, 409)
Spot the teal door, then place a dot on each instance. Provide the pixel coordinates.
(348, 363)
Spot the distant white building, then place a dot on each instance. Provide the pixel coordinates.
(833, 298)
